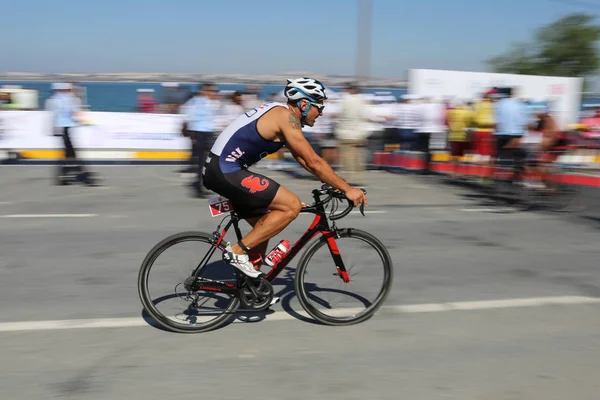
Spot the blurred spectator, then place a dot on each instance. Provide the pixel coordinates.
(321, 136)
(146, 103)
(184, 109)
(6, 102)
(511, 124)
(201, 119)
(532, 111)
(407, 121)
(483, 139)
(323, 140)
(65, 108)
(325, 130)
(591, 133)
(388, 110)
(459, 118)
(172, 98)
(352, 132)
(380, 118)
(448, 105)
(250, 99)
(80, 92)
(231, 108)
(431, 130)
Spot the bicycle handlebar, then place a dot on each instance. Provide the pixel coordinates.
(331, 193)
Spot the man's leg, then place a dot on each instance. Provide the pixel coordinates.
(199, 158)
(201, 141)
(62, 170)
(193, 161)
(345, 157)
(487, 146)
(519, 155)
(204, 144)
(360, 159)
(454, 158)
(284, 208)
(260, 249)
(424, 138)
(72, 164)
(353, 162)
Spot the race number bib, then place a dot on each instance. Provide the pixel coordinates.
(219, 205)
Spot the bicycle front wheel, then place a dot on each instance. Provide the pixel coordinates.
(323, 293)
(173, 297)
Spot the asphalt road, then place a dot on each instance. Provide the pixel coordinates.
(455, 325)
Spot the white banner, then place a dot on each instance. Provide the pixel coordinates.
(133, 131)
(104, 130)
(563, 94)
(18, 128)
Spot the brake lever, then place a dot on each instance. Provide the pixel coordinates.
(362, 205)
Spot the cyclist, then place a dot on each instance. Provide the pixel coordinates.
(533, 143)
(542, 144)
(265, 204)
(553, 144)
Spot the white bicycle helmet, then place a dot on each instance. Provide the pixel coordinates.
(305, 88)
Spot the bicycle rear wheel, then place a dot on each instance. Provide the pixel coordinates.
(563, 196)
(326, 297)
(162, 284)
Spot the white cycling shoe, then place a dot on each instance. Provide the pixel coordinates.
(275, 300)
(241, 262)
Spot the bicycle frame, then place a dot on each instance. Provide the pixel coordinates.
(542, 168)
(320, 224)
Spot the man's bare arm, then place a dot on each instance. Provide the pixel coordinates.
(306, 156)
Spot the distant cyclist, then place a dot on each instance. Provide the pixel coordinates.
(266, 205)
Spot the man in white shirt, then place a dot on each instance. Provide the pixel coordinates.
(407, 121)
(201, 119)
(431, 127)
(352, 133)
(66, 108)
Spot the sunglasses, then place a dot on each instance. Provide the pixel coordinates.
(319, 106)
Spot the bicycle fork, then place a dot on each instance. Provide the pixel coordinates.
(337, 257)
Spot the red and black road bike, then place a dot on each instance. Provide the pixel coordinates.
(342, 278)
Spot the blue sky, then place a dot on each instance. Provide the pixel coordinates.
(263, 36)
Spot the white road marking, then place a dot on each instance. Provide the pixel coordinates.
(48, 215)
(3, 203)
(282, 316)
(497, 304)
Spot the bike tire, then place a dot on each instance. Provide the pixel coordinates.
(147, 301)
(566, 195)
(303, 295)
